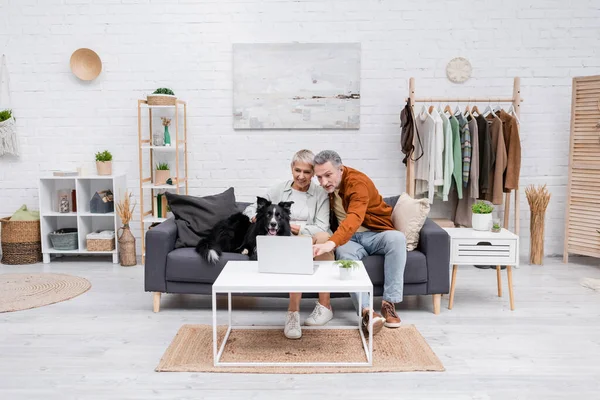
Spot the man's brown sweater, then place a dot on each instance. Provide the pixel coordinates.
(363, 205)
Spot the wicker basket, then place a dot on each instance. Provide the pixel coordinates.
(64, 239)
(161, 100)
(98, 242)
(21, 242)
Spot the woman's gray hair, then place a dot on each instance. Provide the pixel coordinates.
(305, 156)
(328, 155)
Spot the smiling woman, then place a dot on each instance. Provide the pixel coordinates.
(309, 216)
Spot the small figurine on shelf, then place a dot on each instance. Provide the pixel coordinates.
(166, 122)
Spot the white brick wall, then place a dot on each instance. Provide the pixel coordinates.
(186, 45)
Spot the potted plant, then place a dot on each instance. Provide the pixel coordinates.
(104, 163)
(161, 97)
(482, 216)
(161, 174)
(496, 227)
(5, 115)
(346, 268)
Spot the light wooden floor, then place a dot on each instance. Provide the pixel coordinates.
(106, 343)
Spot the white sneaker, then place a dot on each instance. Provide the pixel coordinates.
(320, 316)
(292, 328)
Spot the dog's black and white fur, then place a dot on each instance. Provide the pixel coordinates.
(237, 234)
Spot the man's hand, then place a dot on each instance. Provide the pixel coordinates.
(326, 247)
(295, 229)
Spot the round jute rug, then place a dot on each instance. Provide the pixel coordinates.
(25, 291)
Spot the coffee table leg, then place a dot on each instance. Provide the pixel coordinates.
(214, 311)
(371, 328)
(229, 307)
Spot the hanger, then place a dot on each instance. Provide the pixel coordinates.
(448, 109)
(468, 110)
(498, 107)
(457, 110)
(475, 110)
(512, 111)
(489, 109)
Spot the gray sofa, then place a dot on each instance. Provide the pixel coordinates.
(170, 270)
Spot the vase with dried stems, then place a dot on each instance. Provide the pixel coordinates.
(127, 256)
(538, 198)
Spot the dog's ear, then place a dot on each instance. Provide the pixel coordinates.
(286, 205)
(261, 203)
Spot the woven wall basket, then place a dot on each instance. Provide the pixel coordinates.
(21, 242)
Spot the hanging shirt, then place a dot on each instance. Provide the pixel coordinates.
(485, 155)
(456, 155)
(448, 165)
(424, 173)
(512, 141)
(474, 171)
(465, 145)
(499, 166)
(438, 152)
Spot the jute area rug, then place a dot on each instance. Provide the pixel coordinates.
(25, 291)
(591, 283)
(394, 350)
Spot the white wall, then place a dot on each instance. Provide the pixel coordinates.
(186, 45)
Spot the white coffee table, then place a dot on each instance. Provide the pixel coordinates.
(471, 247)
(243, 277)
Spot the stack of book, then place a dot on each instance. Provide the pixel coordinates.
(160, 206)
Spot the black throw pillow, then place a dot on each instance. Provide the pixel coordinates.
(194, 216)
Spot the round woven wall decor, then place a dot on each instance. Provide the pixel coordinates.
(25, 291)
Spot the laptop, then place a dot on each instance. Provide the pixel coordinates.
(285, 255)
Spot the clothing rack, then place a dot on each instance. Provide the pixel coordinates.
(516, 100)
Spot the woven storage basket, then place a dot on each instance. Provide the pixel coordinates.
(21, 242)
(161, 100)
(95, 243)
(64, 239)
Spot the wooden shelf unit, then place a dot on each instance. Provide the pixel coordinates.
(178, 175)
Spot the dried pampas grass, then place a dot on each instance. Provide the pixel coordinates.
(538, 198)
(125, 209)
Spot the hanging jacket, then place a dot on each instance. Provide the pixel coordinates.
(408, 131)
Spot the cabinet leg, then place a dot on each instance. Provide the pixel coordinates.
(115, 258)
(452, 287)
(156, 301)
(499, 279)
(510, 287)
(46, 258)
(437, 303)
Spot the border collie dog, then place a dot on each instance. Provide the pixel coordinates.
(236, 234)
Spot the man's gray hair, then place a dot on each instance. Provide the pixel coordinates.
(305, 156)
(328, 155)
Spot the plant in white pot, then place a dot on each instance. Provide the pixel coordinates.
(104, 162)
(482, 216)
(161, 97)
(161, 174)
(346, 268)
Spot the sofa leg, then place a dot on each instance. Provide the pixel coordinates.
(156, 301)
(437, 303)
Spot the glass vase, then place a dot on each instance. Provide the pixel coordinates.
(167, 137)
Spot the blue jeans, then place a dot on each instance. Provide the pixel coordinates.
(392, 245)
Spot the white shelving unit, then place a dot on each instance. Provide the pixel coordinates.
(82, 219)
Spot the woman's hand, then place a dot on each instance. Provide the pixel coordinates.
(295, 229)
(326, 247)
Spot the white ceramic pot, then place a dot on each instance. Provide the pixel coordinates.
(346, 274)
(482, 222)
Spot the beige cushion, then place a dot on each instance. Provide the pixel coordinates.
(408, 217)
